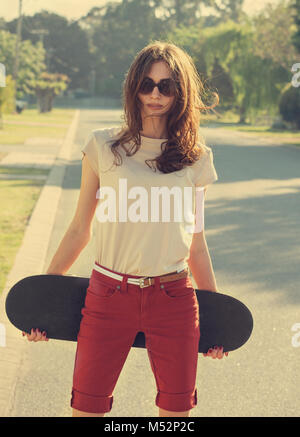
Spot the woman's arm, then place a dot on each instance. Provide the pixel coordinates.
(77, 235)
(199, 260)
(79, 231)
(201, 268)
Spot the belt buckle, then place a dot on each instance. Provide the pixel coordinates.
(142, 284)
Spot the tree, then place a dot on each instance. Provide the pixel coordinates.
(189, 12)
(274, 27)
(228, 10)
(66, 45)
(31, 61)
(2, 24)
(256, 80)
(222, 83)
(289, 105)
(122, 31)
(7, 98)
(295, 6)
(47, 87)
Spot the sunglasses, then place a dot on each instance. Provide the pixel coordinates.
(165, 86)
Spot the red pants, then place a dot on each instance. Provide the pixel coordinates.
(113, 314)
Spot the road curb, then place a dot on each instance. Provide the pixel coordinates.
(30, 260)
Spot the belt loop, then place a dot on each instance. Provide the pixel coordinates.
(124, 284)
(157, 283)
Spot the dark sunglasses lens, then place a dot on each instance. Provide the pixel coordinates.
(146, 86)
(166, 87)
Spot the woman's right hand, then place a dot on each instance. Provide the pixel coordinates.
(36, 335)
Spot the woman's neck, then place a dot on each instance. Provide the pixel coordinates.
(156, 135)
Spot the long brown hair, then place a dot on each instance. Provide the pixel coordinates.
(183, 146)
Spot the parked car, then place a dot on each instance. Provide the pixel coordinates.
(20, 105)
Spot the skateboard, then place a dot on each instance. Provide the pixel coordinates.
(53, 303)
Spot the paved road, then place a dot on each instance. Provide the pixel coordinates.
(252, 230)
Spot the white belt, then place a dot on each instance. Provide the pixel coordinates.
(136, 281)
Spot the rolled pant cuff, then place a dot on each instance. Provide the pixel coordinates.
(91, 404)
(176, 401)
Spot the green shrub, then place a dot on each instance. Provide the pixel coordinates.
(289, 105)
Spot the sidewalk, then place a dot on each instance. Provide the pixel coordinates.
(35, 152)
(30, 259)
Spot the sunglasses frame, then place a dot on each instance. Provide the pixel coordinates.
(159, 85)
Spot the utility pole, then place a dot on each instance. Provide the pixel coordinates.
(19, 29)
(42, 33)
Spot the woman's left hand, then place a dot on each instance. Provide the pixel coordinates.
(216, 352)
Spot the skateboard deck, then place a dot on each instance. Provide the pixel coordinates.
(53, 303)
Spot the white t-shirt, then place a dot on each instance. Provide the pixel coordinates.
(139, 245)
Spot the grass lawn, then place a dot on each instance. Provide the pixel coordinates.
(230, 121)
(20, 170)
(57, 115)
(18, 133)
(18, 198)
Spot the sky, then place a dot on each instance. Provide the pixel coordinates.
(73, 9)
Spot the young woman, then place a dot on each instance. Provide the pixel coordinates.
(140, 280)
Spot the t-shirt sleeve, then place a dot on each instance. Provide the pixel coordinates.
(204, 169)
(91, 150)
